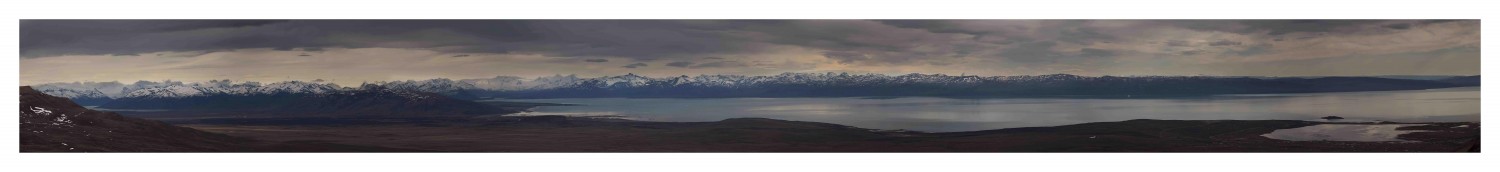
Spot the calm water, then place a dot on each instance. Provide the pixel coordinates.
(1343, 132)
(945, 114)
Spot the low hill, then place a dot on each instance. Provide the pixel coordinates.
(54, 124)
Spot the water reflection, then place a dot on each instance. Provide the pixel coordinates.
(945, 114)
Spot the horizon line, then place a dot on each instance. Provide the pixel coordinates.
(841, 73)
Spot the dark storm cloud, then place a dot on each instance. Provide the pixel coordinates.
(59, 37)
(936, 26)
(636, 39)
(358, 50)
(680, 64)
(1042, 53)
(560, 38)
(1282, 27)
(1399, 26)
(1036, 52)
(635, 65)
(695, 41)
(1082, 35)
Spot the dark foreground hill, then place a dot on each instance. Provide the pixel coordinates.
(54, 124)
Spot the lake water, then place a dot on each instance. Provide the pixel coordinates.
(1343, 132)
(947, 114)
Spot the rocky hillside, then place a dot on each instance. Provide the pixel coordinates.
(54, 124)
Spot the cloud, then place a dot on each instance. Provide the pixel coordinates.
(1399, 26)
(637, 39)
(730, 46)
(721, 64)
(680, 64)
(1223, 43)
(1252, 50)
(635, 65)
(1270, 27)
(1082, 35)
(845, 57)
(1177, 43)
(1035, 52)
(1093, 52)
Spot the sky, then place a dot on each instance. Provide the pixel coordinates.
(348, 52)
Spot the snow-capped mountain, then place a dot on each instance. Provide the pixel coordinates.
(510, 83)
(225, 87)
(81, 96)
(444, 86)
(857, 85)
(781, 85)
(514, 83)
(89, 93)
(498, 83)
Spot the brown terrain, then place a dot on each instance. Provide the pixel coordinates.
(95, 131)
(564, 134)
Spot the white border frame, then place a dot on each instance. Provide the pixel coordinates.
(739, 9)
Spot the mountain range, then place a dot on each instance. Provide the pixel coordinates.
(301, 99)
(256, 95)
(938, 85)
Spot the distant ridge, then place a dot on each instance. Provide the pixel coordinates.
(790, 85)
(938, 85)
(303, 100)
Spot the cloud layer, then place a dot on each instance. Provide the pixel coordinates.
(996, 47)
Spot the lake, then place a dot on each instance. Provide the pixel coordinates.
(949, 114)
